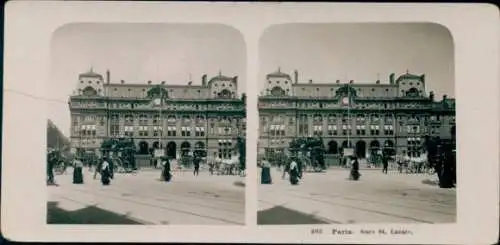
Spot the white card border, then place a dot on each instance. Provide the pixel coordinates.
(28, 30)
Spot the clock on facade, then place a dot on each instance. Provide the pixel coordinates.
(345, 100)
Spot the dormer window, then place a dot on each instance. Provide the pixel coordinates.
(81, 81)
(97, 82)
(90, 82)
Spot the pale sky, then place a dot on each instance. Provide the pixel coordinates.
(327, 52)
(137, 53)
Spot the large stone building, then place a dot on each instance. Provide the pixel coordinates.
(396, 114)
(179, 118)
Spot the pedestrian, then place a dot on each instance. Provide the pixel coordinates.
(166, 174)
(385, 163)
(399, 160)
(105, 172)
(294, 172)
(77, 171)
(354, 175)
(211, 166)
(196, 163)
(265, 176)
(50, 169)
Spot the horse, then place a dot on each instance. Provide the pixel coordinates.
(227, 166)
(176, 167)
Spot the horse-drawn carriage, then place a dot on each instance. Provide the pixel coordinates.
(229, 166)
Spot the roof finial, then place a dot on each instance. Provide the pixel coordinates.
(407, 72)
(190, 76)
(279, 69)
(220, 73)
(378, 76)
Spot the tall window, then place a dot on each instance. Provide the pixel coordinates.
(143, 131)
(171, 131)
(303, 125)
(277, 130)
(143, 120)
(129, 120)
(374, 129)
(332, 130)
(129, 131)
(157, 131)
(388, 129)
(360, 129)
(225, 149)
(318, 130)
(346, 129)
(200, 131)
(186, 131)
(156, 119)
(332, 119)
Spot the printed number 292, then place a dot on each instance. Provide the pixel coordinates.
(316, 231)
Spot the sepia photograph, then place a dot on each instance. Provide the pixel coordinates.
(148, 125)
(356, 124)
(361, 123)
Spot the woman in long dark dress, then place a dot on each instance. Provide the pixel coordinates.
(105, 172)
(265, 176)
(294, 172)
(77, 171)
(354, 169)
(166, 175)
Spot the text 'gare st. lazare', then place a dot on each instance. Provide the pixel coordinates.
(367, 116)
(178, 118)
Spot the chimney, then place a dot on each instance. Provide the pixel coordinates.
(377, 82)
(204, 80)
(338, 81)
(296, 76)
(445, 97)
(163, 82)
(310, 81)
(149, 82)
(122, 81)
(391, 78)
(431, 96)
(422, 78)
(235, 79)
(351, 81)
(190, 83)
(108, 76)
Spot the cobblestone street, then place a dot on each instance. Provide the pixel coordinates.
(141, 198)
(376, 198)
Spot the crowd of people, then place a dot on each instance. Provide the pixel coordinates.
(106, 166)
(438, 158)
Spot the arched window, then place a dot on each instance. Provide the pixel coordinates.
(89, 91)
(277, 91)
(412, 92)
